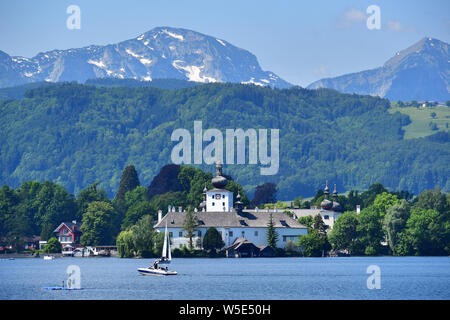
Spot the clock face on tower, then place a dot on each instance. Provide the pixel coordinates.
(218, 197)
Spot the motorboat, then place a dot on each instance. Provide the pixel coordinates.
(150, 271)
(47, 257)
(166, 258)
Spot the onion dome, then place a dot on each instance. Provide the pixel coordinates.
(326, 204)
(336, 205)
(203, 203)
(238, 204)
(219, 181)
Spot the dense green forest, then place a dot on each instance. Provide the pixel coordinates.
(75, 134)
(387, 225)
(37, 208)
(390, 222)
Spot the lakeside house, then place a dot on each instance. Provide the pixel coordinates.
(68, 234)
(220, 211)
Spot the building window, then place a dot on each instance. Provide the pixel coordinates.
(243, 234)
(223, 196)
(326, 217)
(284, 238)
(212, 196)
(180, 246)
(199, 233)
(230, 233)
(223, 203)
(180, 234)
(170, 234)
(213, 204)
(256, 233)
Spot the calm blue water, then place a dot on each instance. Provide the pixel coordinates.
(257, 278)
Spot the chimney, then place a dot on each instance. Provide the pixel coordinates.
(159, 216)
(358, 209)
(180, 209)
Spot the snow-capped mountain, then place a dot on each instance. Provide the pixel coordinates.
(162, 52)
(420, 72)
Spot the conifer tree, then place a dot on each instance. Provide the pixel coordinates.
(272, 235)
(129, 182)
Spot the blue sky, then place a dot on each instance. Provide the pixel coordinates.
(301, 41)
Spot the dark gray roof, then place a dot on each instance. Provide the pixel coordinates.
(231, 220)
(70, 225)
(218, 190)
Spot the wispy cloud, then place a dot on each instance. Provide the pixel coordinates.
(395, 26)
(322, 70)
(350, 17)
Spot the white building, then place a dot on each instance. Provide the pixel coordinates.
(232, 222)
(329, 210)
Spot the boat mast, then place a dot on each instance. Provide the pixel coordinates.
(164, 251)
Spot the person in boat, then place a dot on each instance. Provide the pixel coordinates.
(155, 264)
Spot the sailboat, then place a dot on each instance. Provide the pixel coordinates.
(166, 257)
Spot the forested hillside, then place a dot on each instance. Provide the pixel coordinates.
(76, 134)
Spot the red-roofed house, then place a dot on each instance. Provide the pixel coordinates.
(68, 234)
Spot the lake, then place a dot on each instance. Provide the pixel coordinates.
(253, 278)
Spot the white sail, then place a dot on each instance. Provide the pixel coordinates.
(164, 251)
(168, 247)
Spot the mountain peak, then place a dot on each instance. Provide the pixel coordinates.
(419, 72)
(424, 46)
(162, 52)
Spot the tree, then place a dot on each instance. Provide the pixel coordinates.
(319, 225)
(265, 193)
(434, 200)
(298, 202)
(369, 232)
(136, 205)
(315, 243)
(143, 236)
(162, 201)
(395, 222)
(97, 224)
(53, 246)
(383, 201)
(125, 245)
(344, 232)
(129, 182)
(166, 180)
(190, 225)
(212, 241)
(272, 235)
(136, 212)
(312, 244)
(368, 197)
(428, 232)
(307, 221)
(88, 195)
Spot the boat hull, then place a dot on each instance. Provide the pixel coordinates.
(156, 272)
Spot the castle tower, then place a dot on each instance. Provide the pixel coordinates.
(219, 198)
(326, 204)
(336, 205)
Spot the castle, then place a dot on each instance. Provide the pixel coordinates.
(219, 210)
